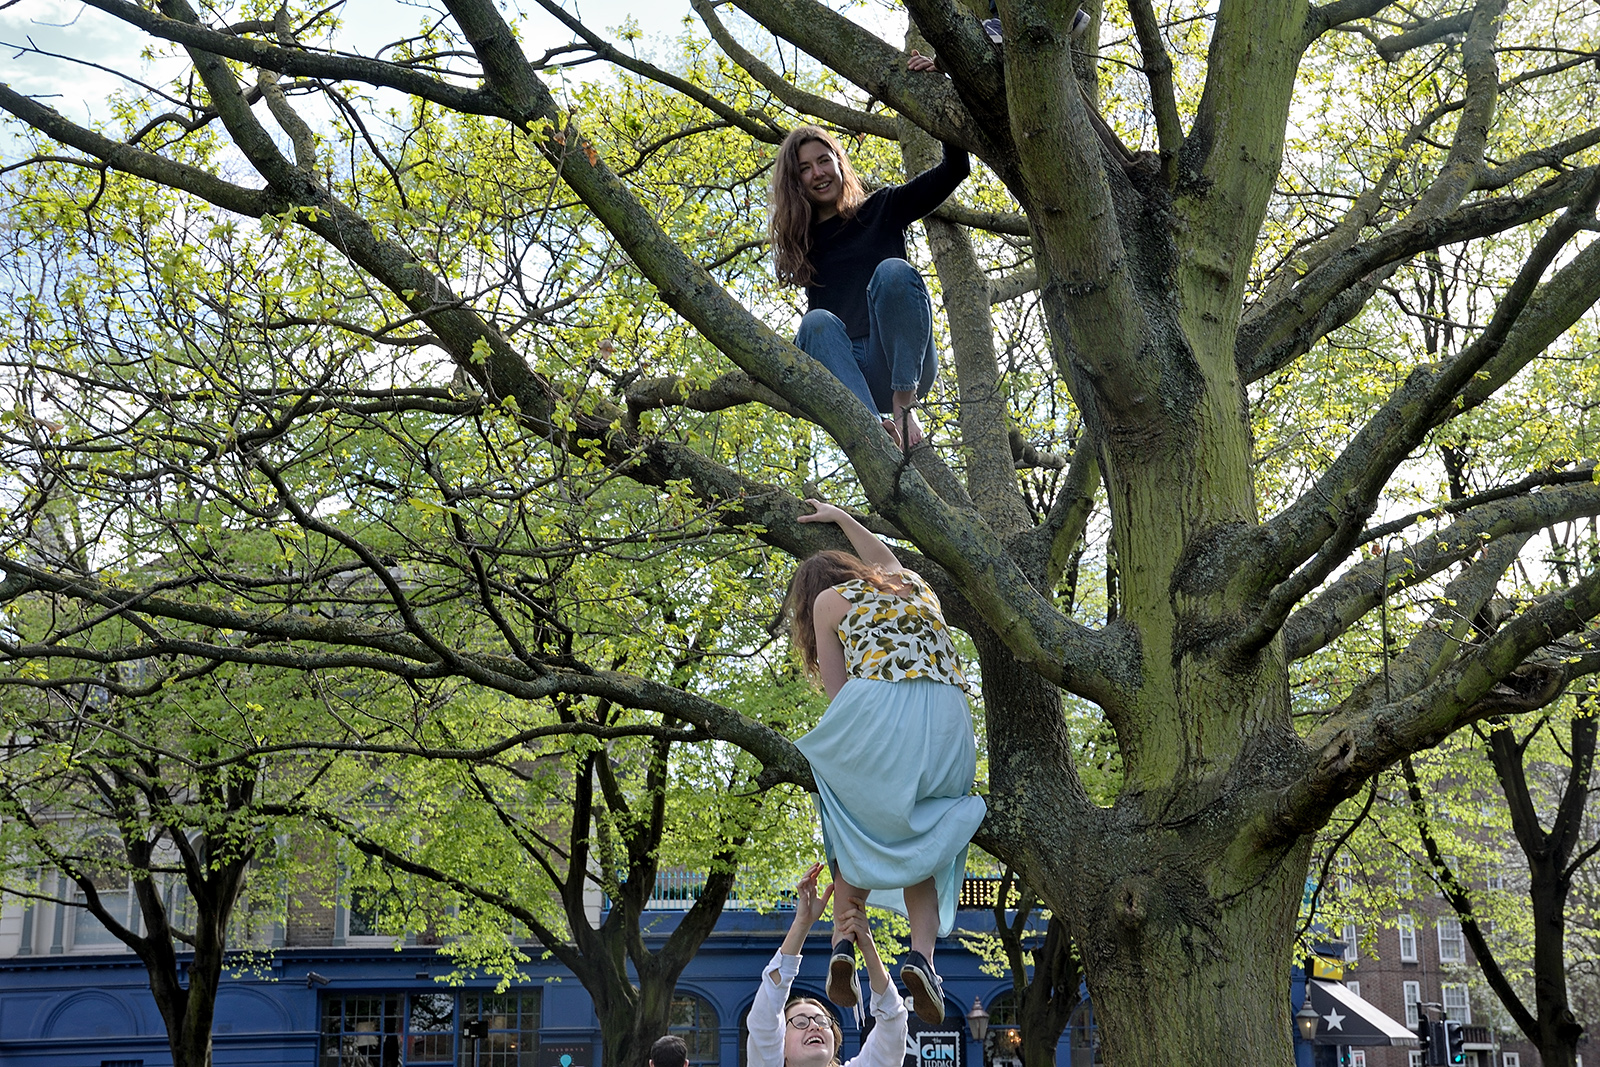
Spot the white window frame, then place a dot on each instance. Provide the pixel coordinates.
(1452, 942)
(1414, 1059)
(1358, 1057)
(1351, 935)
(1412, 993)
(1461, 1012)
(1511, 1059)
(1402, 878)
(79, 919)
(1407, 929)
(1354, 987)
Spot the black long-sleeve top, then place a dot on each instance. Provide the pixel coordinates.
(845, 252)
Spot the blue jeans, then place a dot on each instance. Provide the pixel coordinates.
(897, 355)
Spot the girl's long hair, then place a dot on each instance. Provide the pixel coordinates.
(833, 1023)
(790, 223)
(825, 570)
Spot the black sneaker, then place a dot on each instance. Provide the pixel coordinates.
(841, 987)
(924, 987)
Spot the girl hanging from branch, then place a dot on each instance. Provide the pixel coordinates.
(893, 756)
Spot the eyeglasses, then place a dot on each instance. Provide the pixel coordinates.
(806, 1022)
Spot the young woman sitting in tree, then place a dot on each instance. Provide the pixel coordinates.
(869, 321)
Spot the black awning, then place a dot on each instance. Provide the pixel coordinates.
(1346, 1019)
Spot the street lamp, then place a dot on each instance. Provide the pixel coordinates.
(1307, 1018)
(978, 1021)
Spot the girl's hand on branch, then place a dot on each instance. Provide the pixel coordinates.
(825, 513)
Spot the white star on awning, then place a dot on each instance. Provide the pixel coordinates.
(1335, 1020)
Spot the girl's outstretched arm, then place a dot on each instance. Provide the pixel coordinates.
(864, 541)
(808, 908)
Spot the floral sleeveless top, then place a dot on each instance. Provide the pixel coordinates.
(897, 638)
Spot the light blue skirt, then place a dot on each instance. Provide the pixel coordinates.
(894, 764)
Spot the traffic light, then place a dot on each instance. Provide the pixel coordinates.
(1433, 1050)
(1453, 1052)
(1425, 1039)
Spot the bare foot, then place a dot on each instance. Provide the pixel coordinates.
(893, 431)
(903, 403)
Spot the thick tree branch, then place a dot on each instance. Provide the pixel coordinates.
(1337, 13)
(1360, 588)
(400, 654)
(299, 62)
(1325, 522)
(1331, 294)
(865, 59)
(1158, 72)
(791, 95)
(1422, 34)
(1492, 678)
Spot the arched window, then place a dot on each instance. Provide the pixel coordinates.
(1083, 1035)
(695, 1020)
(1002, 1047)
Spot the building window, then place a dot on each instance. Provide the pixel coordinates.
(1452, 948)
(695, 1020)
(1412, 992)
(1413, 1059)
(1352, 942)
(1354, 987)
(1408, 939)
(1342, 880)
(431, 1028)
(513, 1033)
(418, 1029)
(361, 1031)
(1511, 1059)
(115, 890)
(1402, 878)
(1457, 1008)
(1358, 1057)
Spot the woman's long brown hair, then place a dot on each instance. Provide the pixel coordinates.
(790, 223)
(825, 570)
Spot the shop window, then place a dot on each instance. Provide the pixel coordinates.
(695, 1020)
(431, 1028)
(361, 1031)
(512, 1032)
(423, 1029)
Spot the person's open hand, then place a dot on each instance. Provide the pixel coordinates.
(920, 62)
(809, 904)
(824, 513)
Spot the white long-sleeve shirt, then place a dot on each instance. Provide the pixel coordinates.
(885, 1046)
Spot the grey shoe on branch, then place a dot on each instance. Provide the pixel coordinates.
(1080, 22)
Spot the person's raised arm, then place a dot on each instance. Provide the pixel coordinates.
(885, 1046)
(808, 908)
(918, 197)
(864, 541)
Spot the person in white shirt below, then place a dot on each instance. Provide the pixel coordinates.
(802, 1032)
